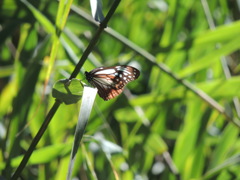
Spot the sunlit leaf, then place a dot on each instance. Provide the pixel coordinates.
(69, 92)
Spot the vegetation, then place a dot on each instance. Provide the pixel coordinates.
(179, 120)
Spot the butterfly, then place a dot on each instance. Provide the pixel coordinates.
(110, 81)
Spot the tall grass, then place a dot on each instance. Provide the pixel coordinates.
(179, 120)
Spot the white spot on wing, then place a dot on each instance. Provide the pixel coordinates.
(106, 71)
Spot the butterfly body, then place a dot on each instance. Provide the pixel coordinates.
(110, 81)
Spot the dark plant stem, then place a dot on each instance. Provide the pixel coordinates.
(36, 140)
(57, 103)
(94, 40)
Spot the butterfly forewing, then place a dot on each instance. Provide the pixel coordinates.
(110, 81)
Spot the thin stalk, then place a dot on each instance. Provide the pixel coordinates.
(57, 103)
(36, 140)
(226, 70)
(94, 40)
(149, 57)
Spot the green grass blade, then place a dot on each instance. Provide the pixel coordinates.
(88, 98)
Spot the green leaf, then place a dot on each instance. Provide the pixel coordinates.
(43, 155)
(210, 58)
(155, 144)
(68, 91)
(131, 115)
(234, 160)
(46, 23)
(228, 140)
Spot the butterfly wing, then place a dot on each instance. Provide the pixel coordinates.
(106, 91)
(110, 81)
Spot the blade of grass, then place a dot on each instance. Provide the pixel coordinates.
(36, 140)
(57, 103)
(23, 101)
(40, 17)
(226, 70)
(44, 155)
(149, 57)
(210, 58)
(88, 98)
(227, 163)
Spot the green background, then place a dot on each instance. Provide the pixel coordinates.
(157, 129)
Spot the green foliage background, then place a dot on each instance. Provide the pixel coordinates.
(157, 129)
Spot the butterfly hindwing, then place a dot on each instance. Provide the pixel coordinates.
(110, 81)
